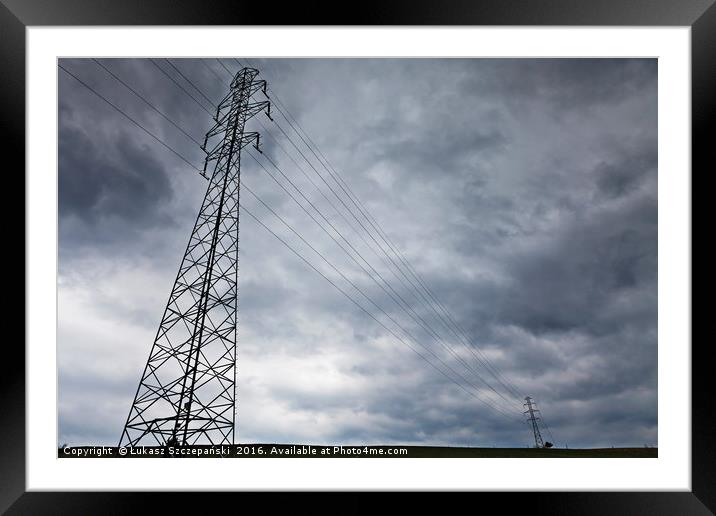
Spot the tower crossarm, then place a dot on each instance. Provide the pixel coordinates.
(216, 153)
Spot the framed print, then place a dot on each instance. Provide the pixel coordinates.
(463, 265)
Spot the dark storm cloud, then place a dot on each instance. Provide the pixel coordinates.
(522, 191)
(121, 179)
(622, 175)
(567, 285)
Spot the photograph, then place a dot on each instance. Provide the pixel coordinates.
(357, 257)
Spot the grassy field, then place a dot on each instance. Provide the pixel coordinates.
(253, 450)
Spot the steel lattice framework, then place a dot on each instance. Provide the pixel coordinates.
(187, 393)
(533, 419)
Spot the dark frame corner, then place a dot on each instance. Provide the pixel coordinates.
(700, 15)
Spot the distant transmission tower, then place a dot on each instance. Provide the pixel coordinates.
(533, 418)
(187, 393)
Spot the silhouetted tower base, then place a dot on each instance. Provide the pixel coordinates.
(187, 393)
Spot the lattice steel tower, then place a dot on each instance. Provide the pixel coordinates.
(187, 393)
(533, 418)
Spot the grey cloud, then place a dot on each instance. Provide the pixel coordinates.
(570, 84)
(121, 180)
(621, 176)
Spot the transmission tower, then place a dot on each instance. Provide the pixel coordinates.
(187, 393)
(533, 418)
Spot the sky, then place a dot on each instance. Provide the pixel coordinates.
(522, 191)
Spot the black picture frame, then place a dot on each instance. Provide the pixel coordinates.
(17, 15)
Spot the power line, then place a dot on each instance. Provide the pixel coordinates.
(224, 67)
(143, 99)
(549, 431)
(508, 385)
(358, 289)
(348, 296)
(187, 80)
(416, 318)
(179, 85)
(279, 104)
(350, 211)
(449, 324)
(203, 61)
(90, 88)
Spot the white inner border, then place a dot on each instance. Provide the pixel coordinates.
(672, 470)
